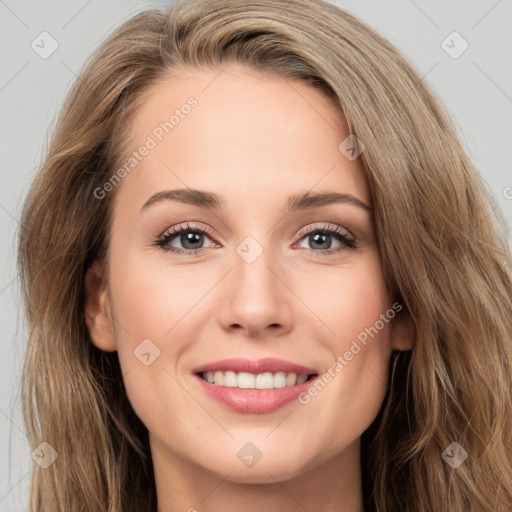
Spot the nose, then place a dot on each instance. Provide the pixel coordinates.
(256, 299)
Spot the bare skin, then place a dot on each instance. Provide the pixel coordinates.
(254, 140)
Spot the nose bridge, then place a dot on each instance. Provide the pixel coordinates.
(255, 283)
(256, 297)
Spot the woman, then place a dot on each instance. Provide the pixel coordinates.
(257, 368)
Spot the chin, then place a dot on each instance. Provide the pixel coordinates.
(271, 467)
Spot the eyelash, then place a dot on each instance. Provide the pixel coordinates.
(346, 241)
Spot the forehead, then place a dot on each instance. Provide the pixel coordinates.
(246, 135)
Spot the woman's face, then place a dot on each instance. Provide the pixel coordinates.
(303, 285)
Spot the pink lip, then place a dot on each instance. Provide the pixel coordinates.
(268, 364)
(255, 401)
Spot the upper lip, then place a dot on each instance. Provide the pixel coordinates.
(267, 364)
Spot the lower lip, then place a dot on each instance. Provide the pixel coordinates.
(254, 401)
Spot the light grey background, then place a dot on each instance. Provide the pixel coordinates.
(476, 88)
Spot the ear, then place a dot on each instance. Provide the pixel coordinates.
(403, 335)
(97, 312)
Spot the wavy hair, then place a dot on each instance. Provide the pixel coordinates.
(441, 237)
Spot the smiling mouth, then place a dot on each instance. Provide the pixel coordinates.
(245, 380)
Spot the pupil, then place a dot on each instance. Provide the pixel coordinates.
(189, 238)
(323, 237)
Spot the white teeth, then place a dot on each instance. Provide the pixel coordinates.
(291, 379)
(245, 380)
(219, 378)
(280, 380)
(265, 381)
(230, 379)
(301, 379)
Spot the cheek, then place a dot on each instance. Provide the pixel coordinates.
(159, 314)
(155, 302)
(148, 309)
(356, 310)
(347, 301)
(153, 316)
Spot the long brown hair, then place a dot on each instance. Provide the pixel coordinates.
(441, 237)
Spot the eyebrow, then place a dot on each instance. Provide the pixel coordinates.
(212, 201)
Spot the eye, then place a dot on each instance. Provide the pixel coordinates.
(321, 238)
(191, 238)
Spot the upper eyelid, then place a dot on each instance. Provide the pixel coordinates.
(187, 227)
(326, 227)
(176, 230)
